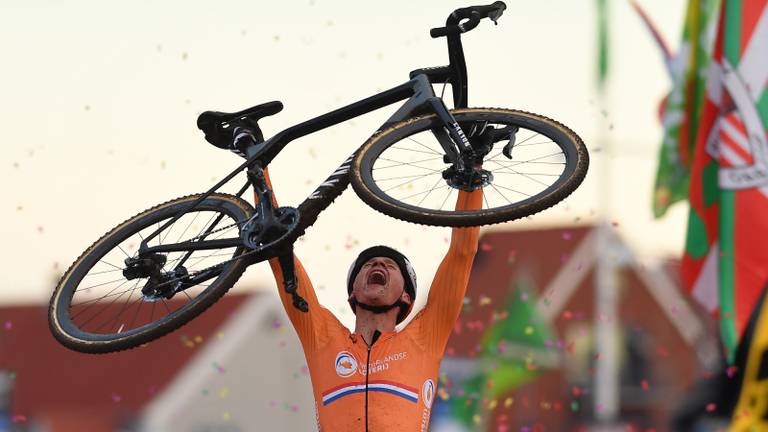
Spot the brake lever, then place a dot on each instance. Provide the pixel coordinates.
(507, 150)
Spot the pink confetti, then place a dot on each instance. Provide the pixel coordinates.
(18, 418)
(711, 407)
(485, 247)
(8, 325)
(731, 371)
(116, 398)
(567, 235)
(644, 385)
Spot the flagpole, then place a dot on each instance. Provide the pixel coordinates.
(606, 389)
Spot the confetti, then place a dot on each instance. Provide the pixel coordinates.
(731, 371)
(567, 235)
(8, 325)
(711, 407)
(226, 416)
(184, 55)
(508, 402)
(223, 392)
(218, 368)
(644, 385)
(18, 418)
(486, 247)
(484, 300)
(116, 398)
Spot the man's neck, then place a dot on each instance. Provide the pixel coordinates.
(368, 322)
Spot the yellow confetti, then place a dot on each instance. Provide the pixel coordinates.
(485, 300)
(443, 394)
(508, 402)
(529, 330)
(476, 419)
(198, 339)
(223, 392)
(226, 416)
(492, 404)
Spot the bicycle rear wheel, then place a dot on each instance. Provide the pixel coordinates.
(401, 171)
(95, 308)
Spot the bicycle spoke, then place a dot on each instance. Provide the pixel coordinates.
(502, 195)
(430, 191)
(534, 160)
(409, 181)
(403, 163)
(527, 176)
(121, 250)
(425, 146)
(100, 298)
(102, 261)
(197, 214)
(509, 189)
(400, 177)
(417, 194)
(110, 304)
(446, 198)
(101, 272)
(103, 297)
(137, 313)
(122, 309)
(98, 285)
(412, 150)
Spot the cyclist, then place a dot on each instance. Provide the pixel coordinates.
(375, 378)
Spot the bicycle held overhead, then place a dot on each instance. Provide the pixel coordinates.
(117, 294)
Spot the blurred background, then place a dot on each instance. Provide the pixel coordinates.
(575, 318)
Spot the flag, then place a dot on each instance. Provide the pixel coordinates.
(681, 108)
(602, 43)
(508, 357)
(725, 265)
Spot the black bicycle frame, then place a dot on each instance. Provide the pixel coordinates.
(420, 99)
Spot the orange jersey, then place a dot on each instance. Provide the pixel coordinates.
(393, 384)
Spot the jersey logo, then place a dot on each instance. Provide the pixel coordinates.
(346, 364)
(428, 392)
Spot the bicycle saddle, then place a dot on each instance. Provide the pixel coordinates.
(218, 126)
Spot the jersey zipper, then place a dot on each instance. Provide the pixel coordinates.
(376, 335)
(367, 364)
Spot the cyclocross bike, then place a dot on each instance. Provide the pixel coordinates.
(161, 268)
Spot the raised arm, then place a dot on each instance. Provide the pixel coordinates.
(446, 295)
(305, 323)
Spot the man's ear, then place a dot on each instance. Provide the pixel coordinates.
(405, 297)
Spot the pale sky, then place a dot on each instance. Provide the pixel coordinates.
(99, 102)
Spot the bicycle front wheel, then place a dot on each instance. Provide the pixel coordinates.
(402, 172)
(98, 308)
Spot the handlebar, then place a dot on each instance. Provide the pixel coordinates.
(473, 14)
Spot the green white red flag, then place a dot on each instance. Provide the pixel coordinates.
(725, 265)
(680, 110)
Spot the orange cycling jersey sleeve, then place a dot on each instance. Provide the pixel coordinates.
(446, 295)
(305, 323)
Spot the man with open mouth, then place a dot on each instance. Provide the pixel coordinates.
(376, 378)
